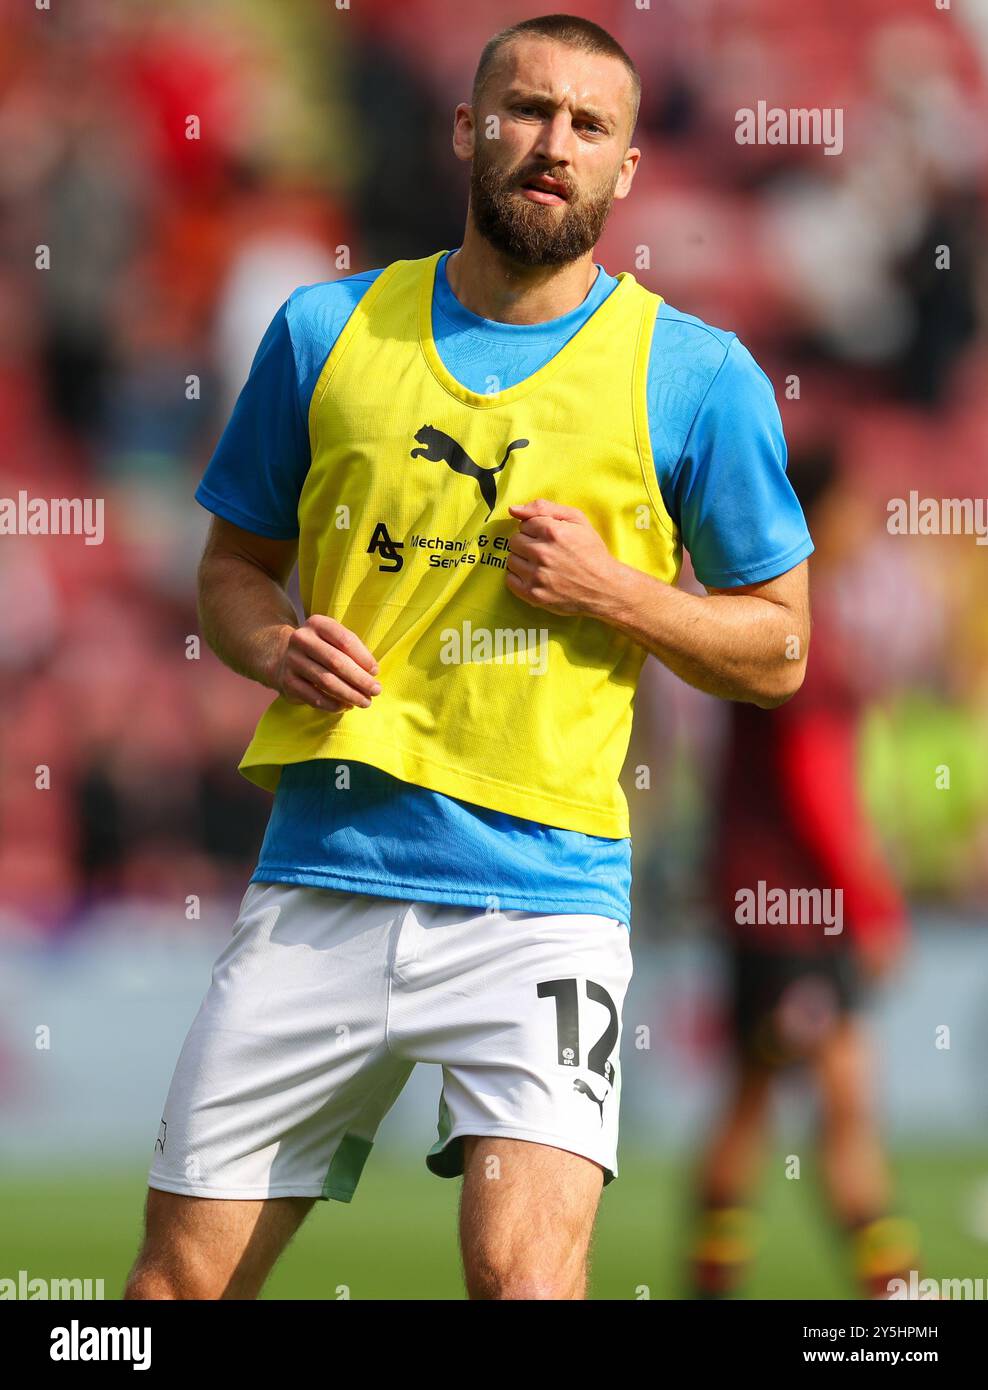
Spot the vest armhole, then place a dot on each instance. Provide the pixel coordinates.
(643, 350)
(344, 340)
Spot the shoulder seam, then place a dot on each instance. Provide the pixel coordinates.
(717, 333)
(295, 372)
(703, 399)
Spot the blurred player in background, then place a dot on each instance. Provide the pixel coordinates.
(791, 817)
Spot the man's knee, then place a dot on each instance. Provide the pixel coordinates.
(148, 1283)
(160, 1276)
(845, 1095)
(515, 1280)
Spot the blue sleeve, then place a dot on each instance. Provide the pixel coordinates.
(727, 491)
(257, 470)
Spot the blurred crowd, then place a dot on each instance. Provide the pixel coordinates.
(188, 165)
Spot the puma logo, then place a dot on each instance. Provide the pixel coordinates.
(439, 447)
(584, 1090)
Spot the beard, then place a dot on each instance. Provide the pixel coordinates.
(536, 234)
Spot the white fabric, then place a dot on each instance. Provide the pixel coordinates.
(321, 1004)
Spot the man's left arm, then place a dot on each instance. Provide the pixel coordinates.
(746, 643)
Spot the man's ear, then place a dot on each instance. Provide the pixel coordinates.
(627, 172)
(464, 131)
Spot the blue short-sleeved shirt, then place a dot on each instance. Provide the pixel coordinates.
(720, 457)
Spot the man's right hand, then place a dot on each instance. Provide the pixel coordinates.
(252, 625)
(324, 664)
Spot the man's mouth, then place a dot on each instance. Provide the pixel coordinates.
(542, 189)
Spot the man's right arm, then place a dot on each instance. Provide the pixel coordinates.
(251, 624)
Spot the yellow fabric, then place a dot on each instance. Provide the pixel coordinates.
(386, 423)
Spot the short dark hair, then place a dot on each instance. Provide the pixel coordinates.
(564, 28)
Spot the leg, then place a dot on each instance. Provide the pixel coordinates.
(200, 1248)
(723, 1242)
(856, 1176)
(733, 1152)
(730, 1166)
(526, 1216)
(855, 1173)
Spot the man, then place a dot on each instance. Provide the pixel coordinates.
(486, 464)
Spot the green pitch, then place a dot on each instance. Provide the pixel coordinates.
(398, 1238)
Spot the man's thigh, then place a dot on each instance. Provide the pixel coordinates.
(201, 1248)
(285, 1073)
(526, 1218)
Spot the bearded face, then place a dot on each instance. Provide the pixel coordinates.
(534, 215)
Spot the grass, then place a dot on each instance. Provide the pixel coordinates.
(397, 1240)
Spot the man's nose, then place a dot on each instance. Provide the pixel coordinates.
(555, 136)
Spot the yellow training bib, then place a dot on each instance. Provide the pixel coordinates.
(404, 527)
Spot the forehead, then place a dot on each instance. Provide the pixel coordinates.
(571, 76)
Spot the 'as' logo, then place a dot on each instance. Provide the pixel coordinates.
(388, 549)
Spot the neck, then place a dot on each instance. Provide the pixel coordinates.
(490, 284)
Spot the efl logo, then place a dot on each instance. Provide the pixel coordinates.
(774, 125)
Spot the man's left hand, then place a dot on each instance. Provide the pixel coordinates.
(557, 560)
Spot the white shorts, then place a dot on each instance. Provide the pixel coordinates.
(321, 1004)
